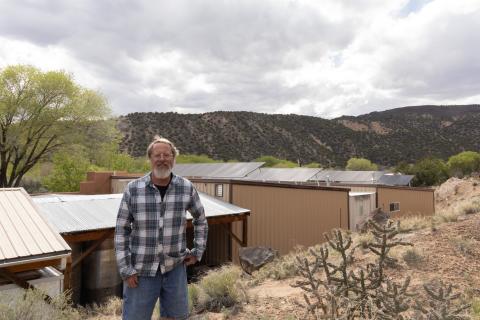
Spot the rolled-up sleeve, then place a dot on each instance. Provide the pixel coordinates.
(123, 229)
(200, 226)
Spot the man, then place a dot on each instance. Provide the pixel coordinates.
(150, 237)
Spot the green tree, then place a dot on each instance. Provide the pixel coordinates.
(464, 163)
(68, 171)
(360, 164)
(193, 158)
(404, 168)
(272, 162)
(429, 172)
(313, 165)
(39, 113)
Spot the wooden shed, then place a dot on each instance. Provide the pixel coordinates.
(87, 223)
(32, 252)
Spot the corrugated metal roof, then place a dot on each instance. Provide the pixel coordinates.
(25, 235)
(216, 170)
(360, 177)
(77, 213)
(283, 174)
(396, 179)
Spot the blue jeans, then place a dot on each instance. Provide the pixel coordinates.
(171, 288)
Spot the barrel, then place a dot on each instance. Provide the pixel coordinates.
(100, 278)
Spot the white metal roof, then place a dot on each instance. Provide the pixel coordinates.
(77, 213)
(283, 174)
(216, 170)
(25, 235)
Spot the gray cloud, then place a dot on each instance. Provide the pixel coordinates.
(320, 58)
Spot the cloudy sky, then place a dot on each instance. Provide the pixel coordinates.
(321, 57)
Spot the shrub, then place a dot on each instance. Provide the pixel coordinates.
(464, 163)
(362, 240)
(360, 164)
(465, 246)
(470, 208)
(412, 257)
(280, 268)
(32, 306)
(446, 216)
(220, 289)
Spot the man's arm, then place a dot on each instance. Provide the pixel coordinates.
(123, 230)
(200, 226)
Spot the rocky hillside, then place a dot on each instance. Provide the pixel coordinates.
(388, 137)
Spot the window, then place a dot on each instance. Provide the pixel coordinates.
(394, 206)
(219, 190)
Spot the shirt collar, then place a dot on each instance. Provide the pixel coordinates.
(148, 179)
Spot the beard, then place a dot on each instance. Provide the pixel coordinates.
(162, 172)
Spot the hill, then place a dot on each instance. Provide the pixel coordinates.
(386, 138)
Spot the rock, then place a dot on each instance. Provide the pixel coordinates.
(253, 258)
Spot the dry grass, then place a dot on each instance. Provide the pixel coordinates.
(413, 223)
(281, 268)
(218, 290)
(470, 208)
(476, 308)
(31, 306)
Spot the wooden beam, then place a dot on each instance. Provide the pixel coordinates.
(34, 265)
(222, 219)
(94, 246)
(85, 236)
(21, 283)
(233, 235)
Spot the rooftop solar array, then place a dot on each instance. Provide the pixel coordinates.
(283, 174)
(227, 170)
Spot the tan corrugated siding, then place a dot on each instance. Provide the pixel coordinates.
(412, 201)
(23, 231)
(283, 218)
(209, 188)
(218, 239)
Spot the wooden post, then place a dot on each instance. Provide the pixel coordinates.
(245, 232)
(67, 275)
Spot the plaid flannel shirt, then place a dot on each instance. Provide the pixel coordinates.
(150, 234)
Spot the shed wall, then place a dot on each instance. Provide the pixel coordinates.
(209, 188)
(411, 201)
(118, 185)
(283, 217)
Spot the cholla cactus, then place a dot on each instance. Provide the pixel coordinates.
(442, 303)
(334, 291)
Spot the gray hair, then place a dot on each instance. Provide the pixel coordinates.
(158, 139)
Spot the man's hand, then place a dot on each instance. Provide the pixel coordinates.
(132, 281)
(189, 260)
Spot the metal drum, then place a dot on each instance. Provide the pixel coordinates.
(100, 275)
